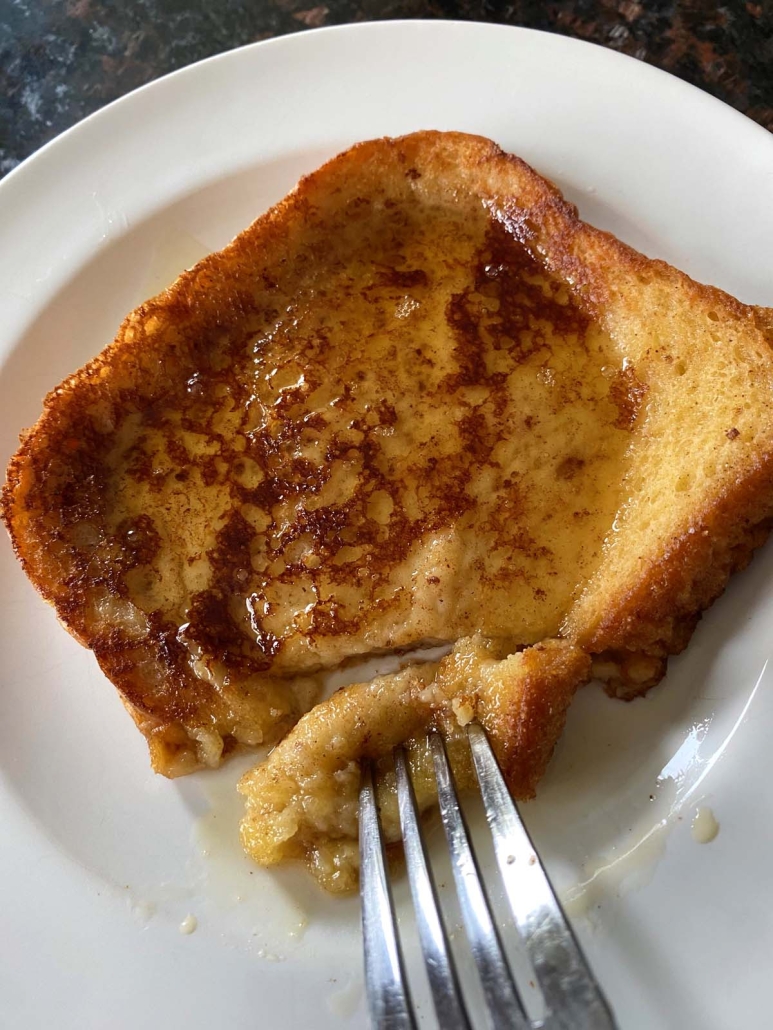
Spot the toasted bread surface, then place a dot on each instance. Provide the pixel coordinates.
(417, 400)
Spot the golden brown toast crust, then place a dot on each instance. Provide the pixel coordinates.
(57, 482)
(659, 614)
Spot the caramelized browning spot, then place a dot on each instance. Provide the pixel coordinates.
(627, 392)
(570, 467)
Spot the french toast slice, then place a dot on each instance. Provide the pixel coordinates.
(417, 400)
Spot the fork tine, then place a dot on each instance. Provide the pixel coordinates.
(499, 990)
(573, 998)
(446, 995)
(389, 999)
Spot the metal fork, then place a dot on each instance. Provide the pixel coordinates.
(571, 995)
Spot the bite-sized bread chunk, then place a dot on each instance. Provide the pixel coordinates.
(302, 801)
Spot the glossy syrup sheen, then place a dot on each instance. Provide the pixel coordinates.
(421, 437)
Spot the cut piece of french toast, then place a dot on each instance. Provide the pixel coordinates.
(302, 801)
(417, 400)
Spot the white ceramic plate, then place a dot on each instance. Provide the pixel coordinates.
(100, 861)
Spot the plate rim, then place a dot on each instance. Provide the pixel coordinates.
(367, 27)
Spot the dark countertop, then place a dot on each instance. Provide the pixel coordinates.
(62, 59)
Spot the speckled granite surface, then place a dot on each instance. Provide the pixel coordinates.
(62, 59)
